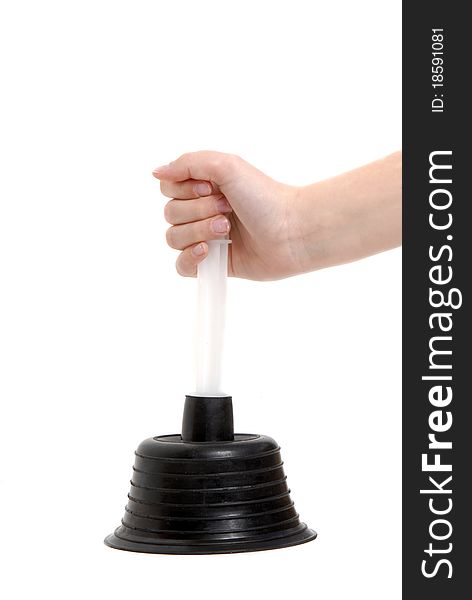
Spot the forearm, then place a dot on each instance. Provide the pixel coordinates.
(348, 217)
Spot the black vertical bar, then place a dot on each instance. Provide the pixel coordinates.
(424, 132)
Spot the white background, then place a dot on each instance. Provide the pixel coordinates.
(96, 326)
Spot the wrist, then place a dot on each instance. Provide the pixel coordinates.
(310, 229)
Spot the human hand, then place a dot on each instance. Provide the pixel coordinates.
(278, 230)
(215, 194)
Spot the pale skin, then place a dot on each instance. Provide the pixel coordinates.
(278, 230)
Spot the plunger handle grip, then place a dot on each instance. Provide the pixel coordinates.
(212, 276)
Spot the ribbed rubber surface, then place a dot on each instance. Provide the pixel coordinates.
(205, 498)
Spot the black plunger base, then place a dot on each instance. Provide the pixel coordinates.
(306, 535)
(209, 498)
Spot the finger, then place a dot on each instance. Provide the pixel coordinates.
(187, 189)
(182, 236)
(177, 212)
(210, 166)
(189, 259)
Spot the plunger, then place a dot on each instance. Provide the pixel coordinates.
(209, 490)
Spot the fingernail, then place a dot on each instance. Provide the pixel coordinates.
(198, 250)
(223, 206)
(202, 189)
(159, 171)
(220, 225)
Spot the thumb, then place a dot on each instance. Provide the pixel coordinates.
(217, 167)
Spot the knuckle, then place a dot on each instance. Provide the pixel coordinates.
(225, 162)
(170, 237)
(178, 266)
(233, 159)
(218, 160)
(165, 188)
(169, 212)
(185, 158)
(181, 265)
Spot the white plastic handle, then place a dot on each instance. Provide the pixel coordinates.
(211, 304)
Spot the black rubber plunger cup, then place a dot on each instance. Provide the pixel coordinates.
(208, 490)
